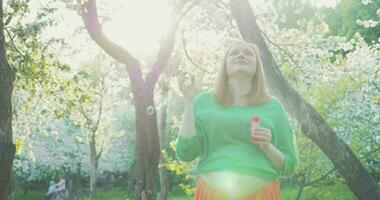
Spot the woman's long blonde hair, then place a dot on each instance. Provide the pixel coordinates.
(257, 95)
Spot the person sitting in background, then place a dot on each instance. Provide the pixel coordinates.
(61, 185)
(51, 192)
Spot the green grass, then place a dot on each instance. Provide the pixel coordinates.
(180, 196)
(289, 193)
(31, 195)
(117, 194)
(332, 192)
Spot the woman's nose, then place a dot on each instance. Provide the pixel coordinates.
(240, 55)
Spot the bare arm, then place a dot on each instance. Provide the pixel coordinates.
(188, 91)
(262, 137)
(188, 123)
(275, 156)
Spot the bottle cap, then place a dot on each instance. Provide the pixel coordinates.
(256, 119)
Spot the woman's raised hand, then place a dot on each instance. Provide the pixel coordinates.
(186, 84)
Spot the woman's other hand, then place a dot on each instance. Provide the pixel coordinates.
(262, 137)
(186, 83)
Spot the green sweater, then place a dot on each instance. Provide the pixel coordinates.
(223, 139)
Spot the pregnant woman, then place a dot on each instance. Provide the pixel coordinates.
(236, 161)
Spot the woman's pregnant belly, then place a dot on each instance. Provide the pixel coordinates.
(232, 185)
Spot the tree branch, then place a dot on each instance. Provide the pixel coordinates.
(281, 49)
(97, 156)
(90, 18)
(188, 56)
(99, 114)
(163, 55)
(8, 20)
(305, 146)
(166, 48)
(334, 169)
(191, 6)
(103, 91)
(89, 123)
(13, 42)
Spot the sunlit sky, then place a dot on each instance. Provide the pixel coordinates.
(135, 25)
(138, 26)
(141, 23)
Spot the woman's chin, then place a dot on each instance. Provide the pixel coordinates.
(241, 72)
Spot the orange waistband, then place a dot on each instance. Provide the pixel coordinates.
(268, 192)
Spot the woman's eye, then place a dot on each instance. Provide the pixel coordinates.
(233, 53)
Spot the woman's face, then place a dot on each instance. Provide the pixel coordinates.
(241, 60)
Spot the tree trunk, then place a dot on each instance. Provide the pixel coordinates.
(93, 167)
(13, 187)
(7, 148)
(131, 178)
(109, 181)
(77, 180)
(301, 187)
(164, 183)
(147, 145)
(312, 124)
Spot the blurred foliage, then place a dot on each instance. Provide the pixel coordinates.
(355, 16)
